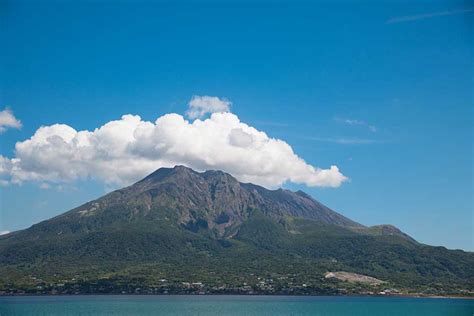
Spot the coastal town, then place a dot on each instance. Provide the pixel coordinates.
(333, 283)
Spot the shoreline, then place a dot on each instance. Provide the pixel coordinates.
(241, 295)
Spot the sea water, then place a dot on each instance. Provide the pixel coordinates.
(232, 305)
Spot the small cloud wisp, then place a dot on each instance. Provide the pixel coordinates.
(8, 120)
(410, 18)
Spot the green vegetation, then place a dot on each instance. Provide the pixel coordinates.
(195, 233)
(126, 260)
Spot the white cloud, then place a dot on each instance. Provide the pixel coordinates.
(123, 151)
(353, 122)
(202, 105)
(5, 170)
(239, 138)
(44, 186)
(345, 140)
(410, 18)
(8, 120)
(4, 232)
(347, 121)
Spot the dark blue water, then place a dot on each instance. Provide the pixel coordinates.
(232, 305)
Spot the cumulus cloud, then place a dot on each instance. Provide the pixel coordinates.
(202, 105)
(8, 120)
(125, 150)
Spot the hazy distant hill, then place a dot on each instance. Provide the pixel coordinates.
(177, 227)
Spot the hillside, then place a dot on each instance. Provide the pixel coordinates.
(177, 227)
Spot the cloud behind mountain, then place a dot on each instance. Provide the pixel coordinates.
(123, 151)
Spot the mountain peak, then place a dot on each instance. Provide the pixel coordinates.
(165, 172)
(182, 168)
(183, 172)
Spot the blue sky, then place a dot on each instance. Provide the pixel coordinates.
(383, 91)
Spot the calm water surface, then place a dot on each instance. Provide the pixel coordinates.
(232, 305)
